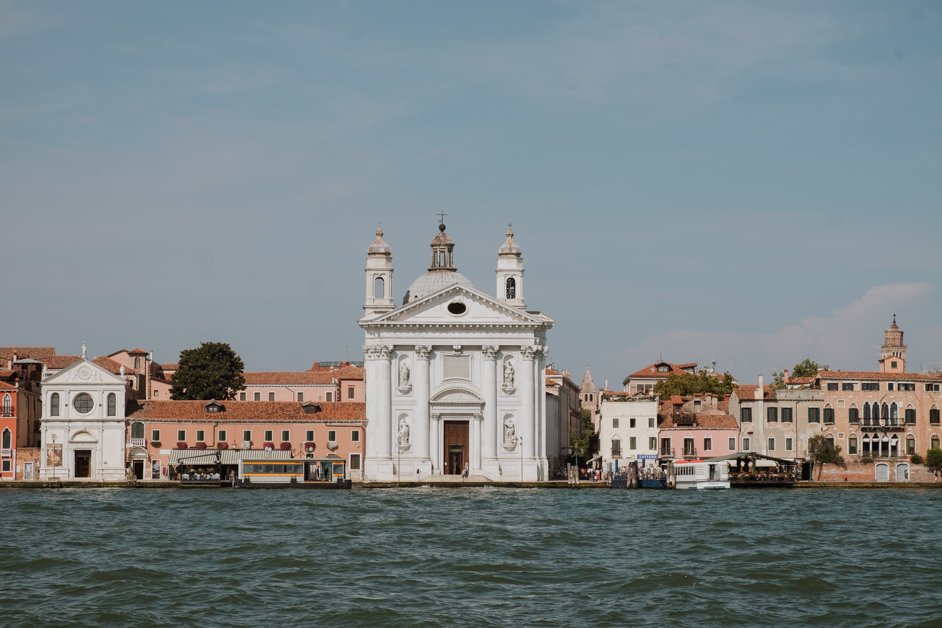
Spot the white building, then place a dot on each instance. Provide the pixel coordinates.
(454, 377)
(83, 424)
(627, 428)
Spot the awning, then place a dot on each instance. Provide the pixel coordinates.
(226, 456)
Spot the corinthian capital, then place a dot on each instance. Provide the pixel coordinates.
(422, 351)
(490, 352)
(529, 352)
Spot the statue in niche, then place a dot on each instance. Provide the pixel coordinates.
(404, 375)
(403, 433)
(508, 374)
(510, 432)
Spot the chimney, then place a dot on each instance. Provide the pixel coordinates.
(785, 375)
(759, 390)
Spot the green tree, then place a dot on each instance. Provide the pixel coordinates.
(823, 451)
(934, 459)
(579, 439)
(778, 380)
(211, 371)
(697, 383)
(806, 368)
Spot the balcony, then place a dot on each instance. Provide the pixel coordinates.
(666, 452)
(138, 442)
(887, 425)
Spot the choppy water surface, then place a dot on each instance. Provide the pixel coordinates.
(471, 556)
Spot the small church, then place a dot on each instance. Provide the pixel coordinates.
(455, 380)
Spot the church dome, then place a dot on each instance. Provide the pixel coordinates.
(433, 281)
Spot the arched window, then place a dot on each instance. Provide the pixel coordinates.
(853, 415)
(112, 404)
(933, 416)
(935, 441)
(7, 405)
(894, 411)
(867, 414)
(7, 439)
(910, 445)
(54, 405)
(885, 411)
(137, 429)
(511, 288)
(379, 288)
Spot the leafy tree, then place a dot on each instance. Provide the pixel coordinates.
(823, 451)
(580, 439)
(934, 459)
(211, 371)
(807, 368)
(697, 383)
(778, 380)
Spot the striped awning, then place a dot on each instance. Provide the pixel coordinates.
(226, 456)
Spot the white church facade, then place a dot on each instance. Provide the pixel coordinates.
(454, 377)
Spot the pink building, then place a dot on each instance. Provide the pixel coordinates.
(146, 376)
(161, 433)
(325, 381)
(695, 428)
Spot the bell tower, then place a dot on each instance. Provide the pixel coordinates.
(510, 272)
(379, 270)
(893, 351)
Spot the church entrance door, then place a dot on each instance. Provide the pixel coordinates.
(83, 463)
(456, 448)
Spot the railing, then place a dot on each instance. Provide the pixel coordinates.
(666, 452)
(690, 452)
(138, 442)
(890, 425)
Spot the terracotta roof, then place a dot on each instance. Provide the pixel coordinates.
(169, 366)
(6, 386)
(37, 353)
(288, 378)
(58, 362)
(263, 411)
(651, 372)
(874, 375)
(703, 420)
(748, 392)
(4, 373)
(351, 372)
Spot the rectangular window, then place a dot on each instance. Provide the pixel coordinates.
(616, 448)
(788, 444)
(258, 396)
(632, 443)
(745, 443)
(666, 447)
(7, 465)
(829, 416)
(732, 443)
(330, 396)
(652, 443)
(832, 385)
(852, 445)
(771, 414)
(614, 424)
(707, 444)
(847, 386)
(354, 462)
(689, 447)
(910, 416)
(285, 436)
(932, 388)
(271, 396)
(181, 435)
(771, 444)
(332, 435)
(651, 424)
(200, 436)
(222, 436)
(631, 423)
(155, 435)
(814, 415)
(787, 415)
(355, 436)
(871, 386)
(745, 415)
(889, 385)
(247, 435)
(269, 435)
(350, 392)
(242, 396)
(309, 436)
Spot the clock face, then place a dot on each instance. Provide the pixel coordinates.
(83, 403)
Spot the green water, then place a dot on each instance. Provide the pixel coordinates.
(470, 557)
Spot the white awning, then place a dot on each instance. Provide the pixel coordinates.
(225, 456)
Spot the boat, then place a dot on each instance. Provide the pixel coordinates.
(702, 475)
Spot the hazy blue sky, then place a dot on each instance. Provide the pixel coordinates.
(751, 183)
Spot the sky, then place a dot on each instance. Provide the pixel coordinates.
(750, 183)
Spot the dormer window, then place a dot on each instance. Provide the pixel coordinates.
(214, 406)
(311, 408)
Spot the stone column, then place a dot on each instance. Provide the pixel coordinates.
(421, 443)
(491, 427)
(378, 403)
(435, 445)
(528, 410)
(475, 462)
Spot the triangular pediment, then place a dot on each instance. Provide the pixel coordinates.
(84, 372)
(459, 306)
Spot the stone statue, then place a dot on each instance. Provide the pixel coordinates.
(510, 432)
(403, 432)
(508, 374)
(404, 374)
